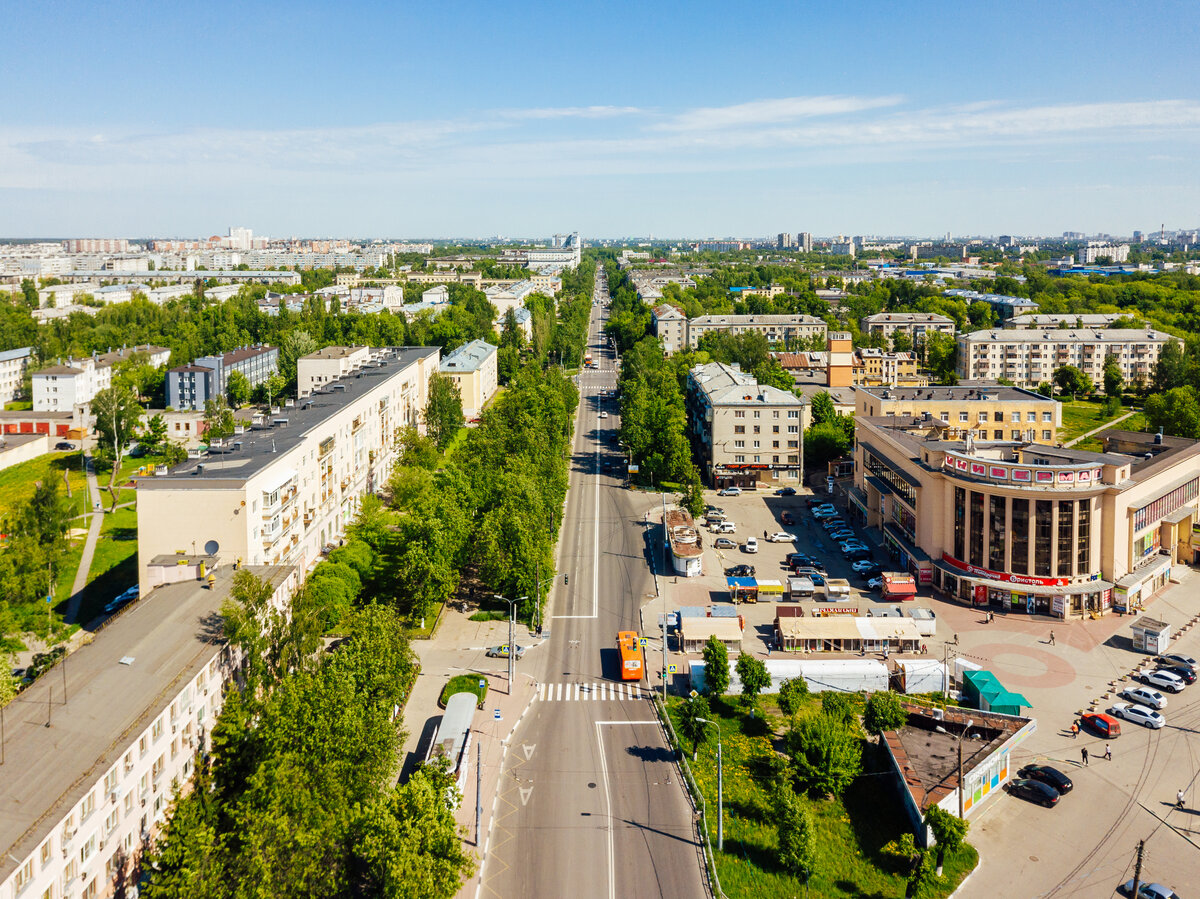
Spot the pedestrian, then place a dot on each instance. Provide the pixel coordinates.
(1074, 731)
(1052, 638)
(1179, 799)
(1108, 752)
(1083, 752)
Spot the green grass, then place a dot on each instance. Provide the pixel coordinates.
(489, 616)
(852, 830)
(17, 483)
(1081, 416)
(464, 683)
(18, 406)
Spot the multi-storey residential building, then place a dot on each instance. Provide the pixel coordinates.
(1029, 357)
(60, 388)
(915, 324)
(96, 245)
(191, 386)
(327, 365)
(389, 296)
(778, 329)
(13, 365)
(280, 490)
(508, 296)
(473, 368)
(1027, 527)
(990, 411)
(874, 367)
(1097, 250)
(93, 757)
(670, 327)
(747, 433)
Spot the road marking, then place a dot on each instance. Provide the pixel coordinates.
(525, 794)
(602, 692)
(528, 749)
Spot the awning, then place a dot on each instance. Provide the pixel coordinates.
(879, 484)
(1034, 589)
(1179, 515)
(745, 583)
(904, 588)
(770, 586)
(278, 480)
(1145, 572)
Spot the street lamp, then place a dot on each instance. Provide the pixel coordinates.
(512, 649)
(970, 721)
(720, 788)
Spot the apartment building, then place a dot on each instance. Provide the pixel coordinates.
(874, 367)
(96, 245)
(389, 296)
(13, 365)
(473, 367)
(191, 386)
(1004, 306)
(670, 327)
(281, 489)
(1025, 527)
(1029, 357)
(990, 411)
(1097, 250)
(508, 296)
(778, 329)
(62, 387)
(327, 365)
(546, 283)
(914, 324)
(1075, 320)
(748, 433)
(93, 754)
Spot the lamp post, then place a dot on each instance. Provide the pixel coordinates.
(970, 721)
(512, 649)
(720, 788)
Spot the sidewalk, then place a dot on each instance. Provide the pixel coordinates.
(89, 545)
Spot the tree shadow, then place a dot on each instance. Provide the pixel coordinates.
(758, 726)
(651, 753)
(212, 628)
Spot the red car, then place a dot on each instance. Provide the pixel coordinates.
(1098, 723)
(786, 518)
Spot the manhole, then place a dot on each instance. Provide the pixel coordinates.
(591, 786)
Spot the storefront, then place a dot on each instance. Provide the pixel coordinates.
(995, 590)
(1131, 592)
(907, 556)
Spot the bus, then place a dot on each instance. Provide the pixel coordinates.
(587, 360)
(452, 739)
(632, 664)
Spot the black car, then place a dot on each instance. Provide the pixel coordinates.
(1187, 674)
(64, 445)
(1051, 777)
(873, 571)
(786, 491)
(740, 571)
(1033, 791)
(794, 559)
(859, 554)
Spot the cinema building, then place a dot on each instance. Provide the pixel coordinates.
(1026, 527)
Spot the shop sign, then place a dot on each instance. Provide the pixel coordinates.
(925, 576)
(1021, 475)
(1060, 606)
(1003, 576)
(998, 474)
(980, 595)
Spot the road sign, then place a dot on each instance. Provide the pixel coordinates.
(672, 669)
(693, 694)
(496, 714)
(645, 642)
(482, 683)
(634, 469)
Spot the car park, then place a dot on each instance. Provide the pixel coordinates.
(1033, 791)
(724, 543)
(781, 537)
(786, 491)
(501, 652)
(751, 545)
(1145, 696)
(1138, 714)
(1100, 724)
(730, 491)
(740, 571)
(1051, 777)
(1148, 891)
(1164, 680)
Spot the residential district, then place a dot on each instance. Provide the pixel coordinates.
(337, 543)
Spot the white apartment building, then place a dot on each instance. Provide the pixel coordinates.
(89, 775)
(914, 324)
(776, 328)
(1097, 250)
(96, 245)
(62, 387)
(329, 364)
(283, 488)
(436, 296)
(390, 296)
(13, 365)
(473, 367)
(508, 296)
(1029, 357)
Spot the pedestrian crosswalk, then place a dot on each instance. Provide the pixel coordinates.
(592, 692)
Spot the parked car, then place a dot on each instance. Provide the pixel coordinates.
(1033, 791)
(832, 524)
(603, 414)
(1103, 725)
(751, 545)
(64, 445)
(1145, 696)
(1148, 891)
(1183, 672)
(120, 600)
(730, 491)
(740, 571)
(501, 652)
(724, 527)
(1052, 777)
(867, 568)
(781, 537)
(1175, 658)
(1164, 680)
(787, 518)
(786, 491)
(816, 577)
(724, 543)
(1138, 714)
(875, 583)
(825, 513)
(797, 559)
(853, 546)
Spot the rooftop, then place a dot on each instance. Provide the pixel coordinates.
(246, 352)
(956, 394)
(169, 636)
(335, 352)
(1112, 335)
(468, 357)
(757, 320)
(903, 317)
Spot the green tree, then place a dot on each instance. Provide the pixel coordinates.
(716, 667)
(693, 494)
(753, 674)
(117, 415)
(822, 408)
(950, 832)
(1173, 368)
(218, 419)
(694, 729)
(1070, 379)
(1045, 388)
(838, 705)
(1114, 379)
(1176, 412)
(30, 293)
(173, 453)
(884, 712)
(941, 356)
(154, 437)
(238, 388)
(826, 754)
(138, 375)
(294, 345)
(792, 694)
(797, 833)
(824, 443)
(443, 411)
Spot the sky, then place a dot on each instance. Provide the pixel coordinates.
(468, 119)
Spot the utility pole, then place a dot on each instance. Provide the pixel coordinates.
(512, 649)
(1137, 868)
(961, 786)
(478, 787)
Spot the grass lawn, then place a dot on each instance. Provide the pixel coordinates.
(464, 683)
(852, 830)
(114, 564)
(1081, 416)
(17, 483)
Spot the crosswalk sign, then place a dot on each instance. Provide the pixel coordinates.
(645, 641)
(672, 669)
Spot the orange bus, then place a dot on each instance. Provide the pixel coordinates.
(632, 663)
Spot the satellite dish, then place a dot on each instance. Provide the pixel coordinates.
(211, 547)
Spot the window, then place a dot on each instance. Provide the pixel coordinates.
(963, 416)
(1016, 417)
(1016, 435)
(944, 416)
(757, 444)
(997, 534)
(86, 850)
(739, 458)
(1083, 524)
(110, 781)
(757, 414)
(1066, 536)
(47, 893)
(87, 806)
(739, 429)
(775, 414)
(983, 416)
(111, 822)
(793, 413)
(1047, 416)
(774, 429)
(90, 891)
(793, 429)
(998, 416)
(25, 873)
(739, 413)
(757, 429)
(1020, 537)
(775, 444)
(129, 803)
(976, 532)
(45, 853)
(143, 746)
(740, 444)
(1043, 522)
(1045, 435)
(1032, 416)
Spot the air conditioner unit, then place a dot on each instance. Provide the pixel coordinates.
(938, 714)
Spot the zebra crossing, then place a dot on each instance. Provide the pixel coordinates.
(595, 692)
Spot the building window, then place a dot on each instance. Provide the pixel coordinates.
(1047, 416)
(1016, 435)
(983, 416)
(757, 429)
(87, 806)
(45, 853)
(757, 414)
(793, 413)
(960, 515)
(976, 531)
(1066, 535)
(739, 413)
(1084, 545)
(1032, 416)
(739, 458)
(25, 873)
(739, 429)
(740, 444)
(1045, 435)
(963, 416)
(997, 434)
(997, 535)
(1016, 417)
(1020, 537)
(1043, 522)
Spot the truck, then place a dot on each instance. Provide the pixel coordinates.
(587, 360)
(836, 589)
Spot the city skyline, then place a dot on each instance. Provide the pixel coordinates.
(679, 120)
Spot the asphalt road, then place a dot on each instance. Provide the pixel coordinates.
(590, 803)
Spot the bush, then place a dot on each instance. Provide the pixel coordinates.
(884, 712)
(827, 755)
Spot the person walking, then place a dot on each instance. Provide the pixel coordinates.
(1083, 752)
(1179, 799)
(1108, 752)
(1052, 638)
(1074, 731)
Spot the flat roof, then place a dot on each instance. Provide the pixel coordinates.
(335, 352)
(263, 444)
(247, 352)
(1030, 335)
(956, 393)
(170, 635)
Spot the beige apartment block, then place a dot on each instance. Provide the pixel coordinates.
(670, 327)
(328, 365)
(1029, 357)
(473, 367)
(778, 329)
(989, 411)
(914, 324)
(282, 489)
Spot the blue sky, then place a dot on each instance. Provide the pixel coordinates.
(698, 119)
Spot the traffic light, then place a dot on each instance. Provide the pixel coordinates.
(566, 579)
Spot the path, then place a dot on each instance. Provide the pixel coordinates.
(89, 545)
(1103, 427)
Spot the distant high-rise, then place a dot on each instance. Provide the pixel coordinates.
(239, 238)
(785, 241)
(804, 241)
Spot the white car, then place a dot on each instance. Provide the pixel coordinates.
(1145, 696)
(1138, 714)
(751, 545)
(1164, 680)
(781, 537)
(724, 527)
(824, 512)
(853, 546)
(864, 565)
(730, 491)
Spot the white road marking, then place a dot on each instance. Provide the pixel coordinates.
(525, 793)
(528, 749)
(596, 692)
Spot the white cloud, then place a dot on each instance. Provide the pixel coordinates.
(569, 112)
(761, 112)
